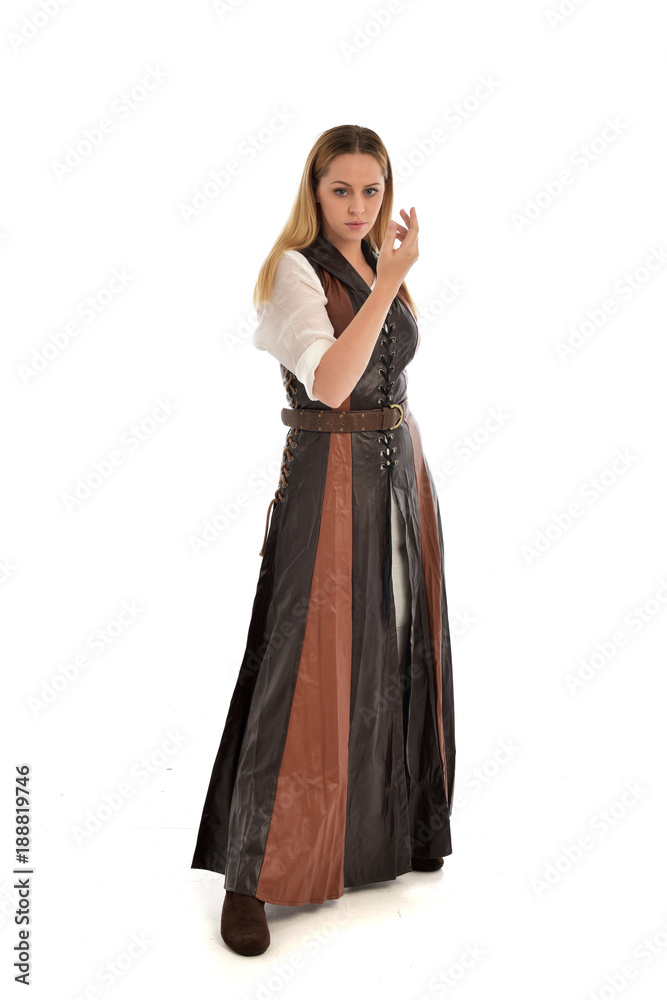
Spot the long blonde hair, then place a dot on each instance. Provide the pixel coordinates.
(304, 221)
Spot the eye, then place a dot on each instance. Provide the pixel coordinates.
(368, 190)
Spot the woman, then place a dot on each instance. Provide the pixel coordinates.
(336, 764)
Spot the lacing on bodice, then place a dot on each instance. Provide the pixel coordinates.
(384, 371)
(288, 452)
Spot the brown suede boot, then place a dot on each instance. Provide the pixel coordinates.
(243, 924)
(427, 864)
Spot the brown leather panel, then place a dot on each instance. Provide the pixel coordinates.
(430, 545)
(304, 853)
(339, 305)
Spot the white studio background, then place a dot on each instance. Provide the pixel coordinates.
(530, 138)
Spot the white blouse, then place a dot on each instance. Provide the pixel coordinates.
(294, 327)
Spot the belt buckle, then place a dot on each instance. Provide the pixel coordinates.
(397, 406)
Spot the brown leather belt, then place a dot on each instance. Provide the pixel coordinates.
(388, 418)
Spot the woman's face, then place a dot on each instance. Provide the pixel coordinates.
(351, 191)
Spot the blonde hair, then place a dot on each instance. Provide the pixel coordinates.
(304, 221)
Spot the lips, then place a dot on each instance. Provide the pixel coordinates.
(355, 225)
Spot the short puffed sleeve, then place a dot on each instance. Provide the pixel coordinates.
(294, 326)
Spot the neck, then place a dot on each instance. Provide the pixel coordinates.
(352, 251)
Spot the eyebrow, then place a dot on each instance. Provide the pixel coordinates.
(372, 183)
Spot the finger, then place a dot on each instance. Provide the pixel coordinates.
(413, 227)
